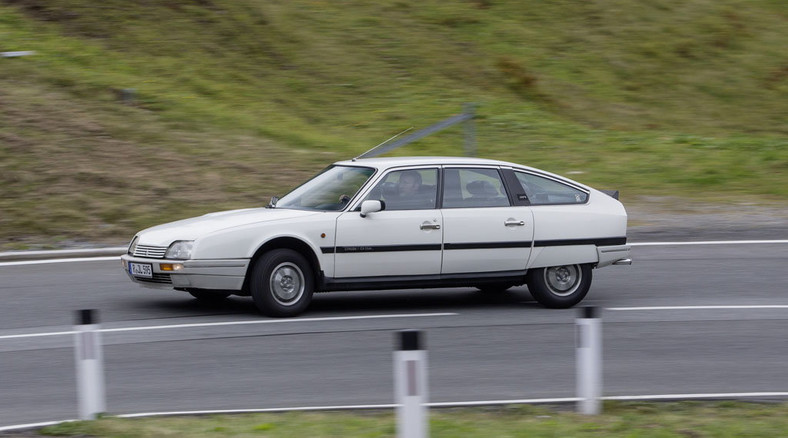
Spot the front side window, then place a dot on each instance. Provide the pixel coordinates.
(545, 191)
(329, 190)
(471, 188)
(413, 189)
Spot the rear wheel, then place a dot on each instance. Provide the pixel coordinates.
(559, 287)
(282, 283)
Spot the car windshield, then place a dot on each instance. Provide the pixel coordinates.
(329, 190)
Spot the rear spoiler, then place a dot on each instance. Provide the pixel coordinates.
(612, 193)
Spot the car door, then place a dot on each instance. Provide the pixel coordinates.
(483, 231)
(403, 239)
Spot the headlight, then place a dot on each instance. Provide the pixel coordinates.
(133, 245)
(180, 250)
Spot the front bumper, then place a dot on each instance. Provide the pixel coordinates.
(613, 255)
(196, 274)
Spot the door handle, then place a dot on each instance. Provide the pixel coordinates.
(430, 226)
(511, 222)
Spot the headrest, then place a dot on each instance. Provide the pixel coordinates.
(481, 188)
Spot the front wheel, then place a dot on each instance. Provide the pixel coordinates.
(282, 283)
(559, 287)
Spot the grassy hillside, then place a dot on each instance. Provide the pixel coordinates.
(236, 100)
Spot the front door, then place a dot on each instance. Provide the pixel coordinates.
(403, 239)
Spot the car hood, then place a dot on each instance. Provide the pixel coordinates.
(193, 228)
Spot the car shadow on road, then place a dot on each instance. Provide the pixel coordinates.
(414, 300)
(340, 303)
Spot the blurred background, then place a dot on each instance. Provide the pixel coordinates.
(126, 114)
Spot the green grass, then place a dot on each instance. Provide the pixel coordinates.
(237, 100)
(626, 420)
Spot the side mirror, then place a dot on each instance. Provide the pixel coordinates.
(371, 206)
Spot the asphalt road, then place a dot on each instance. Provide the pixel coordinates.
(481, 347)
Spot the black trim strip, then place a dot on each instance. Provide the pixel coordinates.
(387, 248)
(487, 245)
(608, 241)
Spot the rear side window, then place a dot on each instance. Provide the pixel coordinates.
(545, 191)
(473, 188)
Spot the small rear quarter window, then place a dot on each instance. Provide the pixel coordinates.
(546, 191)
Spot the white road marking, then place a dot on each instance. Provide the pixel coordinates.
(727, 307)
(724, 395)
(278, 321)
(710, 242)
(229, 323)
(33, 425)
(74, 260)
(37, 335)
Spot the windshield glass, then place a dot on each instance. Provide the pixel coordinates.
(330, 190)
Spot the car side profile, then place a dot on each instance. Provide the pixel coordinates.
(392, 223)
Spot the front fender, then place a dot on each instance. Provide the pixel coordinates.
(243, 242)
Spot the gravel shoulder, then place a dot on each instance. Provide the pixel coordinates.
(671, 219)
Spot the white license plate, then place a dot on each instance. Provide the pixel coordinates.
(144, 270)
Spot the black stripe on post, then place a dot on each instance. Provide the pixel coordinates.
(87, 316)
(409, 340)
(589, 312)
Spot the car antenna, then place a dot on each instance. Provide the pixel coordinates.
(392, 138)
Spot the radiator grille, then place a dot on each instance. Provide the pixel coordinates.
(151, 252)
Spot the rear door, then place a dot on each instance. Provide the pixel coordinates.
(483, 231)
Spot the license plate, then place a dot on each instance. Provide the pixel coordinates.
(144, 270)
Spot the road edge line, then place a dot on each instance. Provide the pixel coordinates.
(650, 397)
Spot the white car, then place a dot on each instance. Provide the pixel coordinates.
(392, 223)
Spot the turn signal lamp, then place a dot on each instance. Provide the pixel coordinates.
(170, 266)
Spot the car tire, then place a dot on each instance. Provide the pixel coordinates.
(559, 287)
(282, 283)
(494, 288)
(208, 296)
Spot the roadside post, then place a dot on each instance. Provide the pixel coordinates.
(588, 347)
(90, 365)
(410, 385)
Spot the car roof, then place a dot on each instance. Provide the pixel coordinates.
(388, 162)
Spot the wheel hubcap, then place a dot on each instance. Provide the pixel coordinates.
(287, 283)
(562, 280)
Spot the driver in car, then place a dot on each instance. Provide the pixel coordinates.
(409, 184)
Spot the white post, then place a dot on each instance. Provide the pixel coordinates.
(90, 365)
(410, 385)
(589, 361)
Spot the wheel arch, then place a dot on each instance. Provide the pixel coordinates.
(287, 242)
